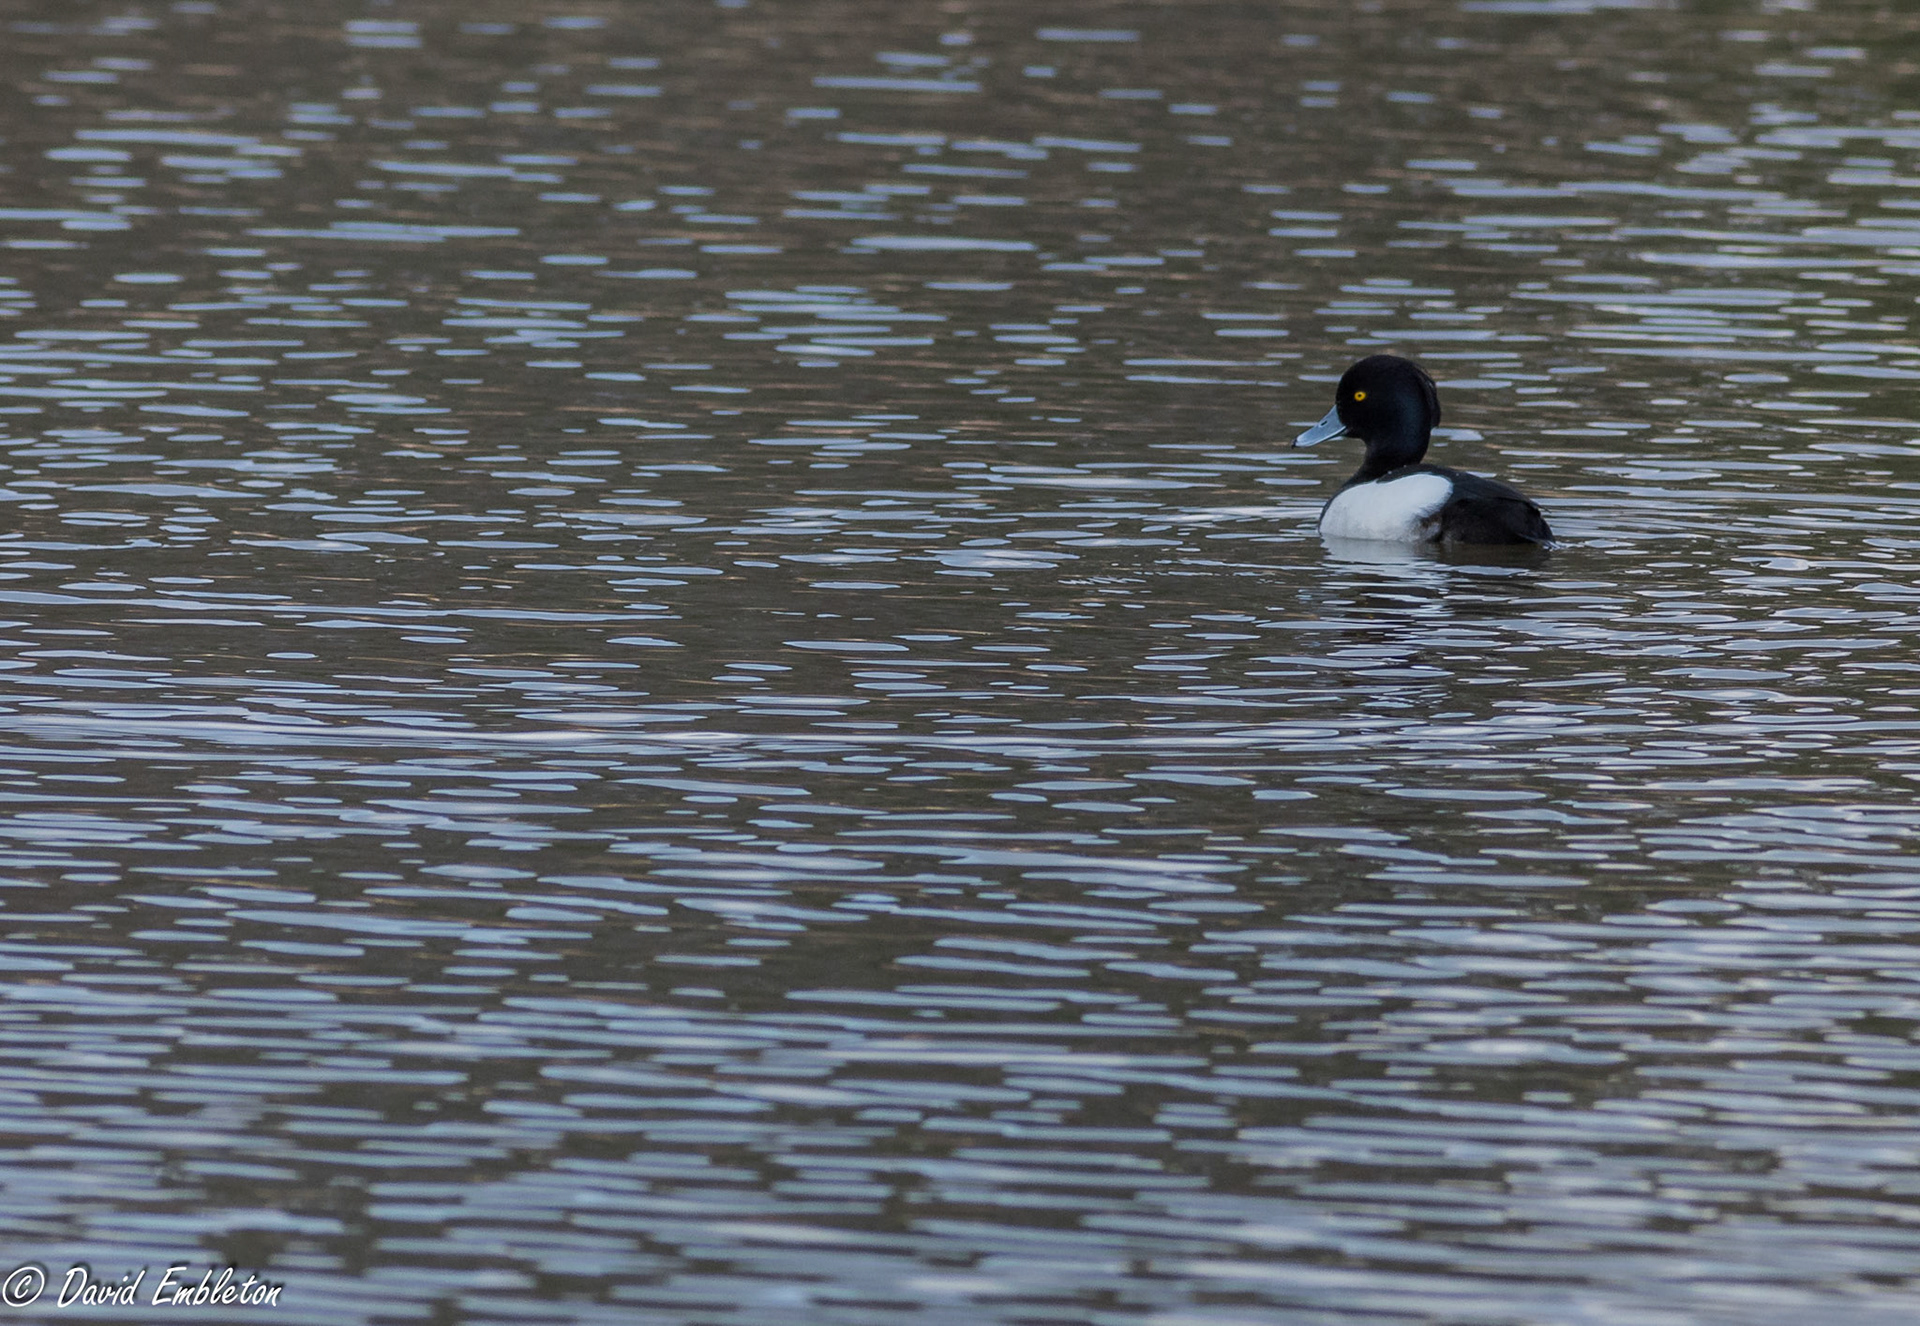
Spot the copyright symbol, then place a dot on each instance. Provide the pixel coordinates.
(23, 1286)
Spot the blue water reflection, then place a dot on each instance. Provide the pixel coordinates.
(672, 667)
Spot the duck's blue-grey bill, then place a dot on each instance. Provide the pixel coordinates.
(1320, 432)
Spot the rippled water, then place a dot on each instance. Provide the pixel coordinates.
(665, 663)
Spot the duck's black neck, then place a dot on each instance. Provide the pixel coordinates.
(1402, 442)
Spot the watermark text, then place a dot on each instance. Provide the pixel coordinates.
(174, 1287)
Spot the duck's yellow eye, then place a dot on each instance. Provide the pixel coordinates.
(1359, 395)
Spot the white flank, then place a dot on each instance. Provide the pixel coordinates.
(1393, 512)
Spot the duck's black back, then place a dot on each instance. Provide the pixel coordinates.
(1483, 510)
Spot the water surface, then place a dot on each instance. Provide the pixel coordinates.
(666, 664)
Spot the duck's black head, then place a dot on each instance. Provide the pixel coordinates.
(1387, 402)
